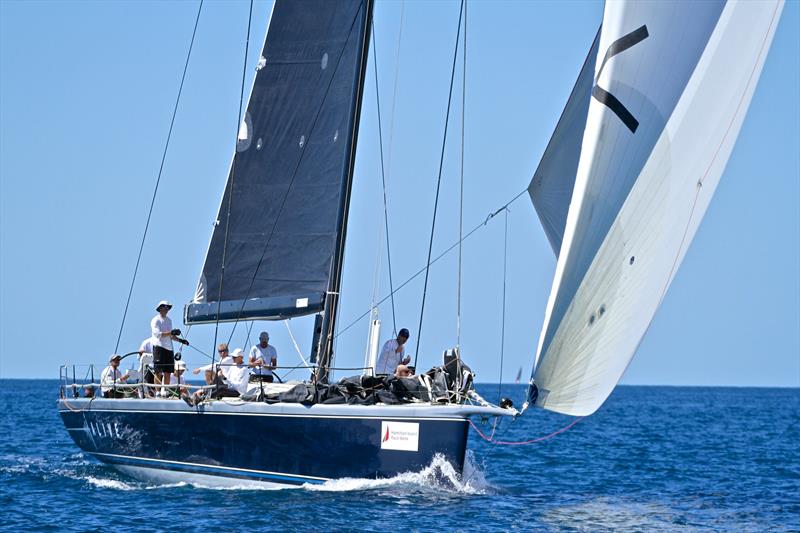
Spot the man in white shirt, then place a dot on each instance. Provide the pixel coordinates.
(263, 357)
(111, 377)
(163, 335)
(180, 381)
(238, 375)
(145, 366)
(392, 354)
(210, 369)
(214, 373)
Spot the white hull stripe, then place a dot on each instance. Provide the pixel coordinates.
(226, 471)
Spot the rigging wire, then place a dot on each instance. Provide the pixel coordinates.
(438, 184)
(394, 91)
(158, 179)
(447, 250)
(503, 321)
(461, 193)
(249, 330)
(383, 173)
(231, 181)
(492, 440)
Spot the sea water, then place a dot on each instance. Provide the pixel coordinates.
(651, 459)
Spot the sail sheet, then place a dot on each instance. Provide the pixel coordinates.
(672, 84)
(290, 175)
(552, 183)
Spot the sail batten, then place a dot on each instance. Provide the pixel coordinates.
(640, 193)
(290, 174)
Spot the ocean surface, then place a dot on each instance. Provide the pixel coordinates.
(651, 459)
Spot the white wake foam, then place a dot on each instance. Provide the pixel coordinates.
(104, 483)
(440, 474)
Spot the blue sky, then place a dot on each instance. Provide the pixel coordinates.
(86, 92)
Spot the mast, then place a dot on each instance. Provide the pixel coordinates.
(326, 338)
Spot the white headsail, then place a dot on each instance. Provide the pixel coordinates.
(672, 84)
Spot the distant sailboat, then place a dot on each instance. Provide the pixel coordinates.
(518, 379)
(620, 192)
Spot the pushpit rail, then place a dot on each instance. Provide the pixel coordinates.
(79, 380)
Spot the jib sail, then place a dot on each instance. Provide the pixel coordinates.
(671, 87)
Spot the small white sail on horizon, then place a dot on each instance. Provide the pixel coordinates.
(672, 84)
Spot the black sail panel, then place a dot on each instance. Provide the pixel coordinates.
(290, 175)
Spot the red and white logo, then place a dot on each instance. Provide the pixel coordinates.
(403, 436)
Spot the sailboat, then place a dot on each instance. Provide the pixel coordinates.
(620, 191)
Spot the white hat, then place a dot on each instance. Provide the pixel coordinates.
(114, 356)
(263, 335)
(180, 365)
(163, 302)
(237, 353)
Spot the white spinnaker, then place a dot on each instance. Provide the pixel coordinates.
(604, 295)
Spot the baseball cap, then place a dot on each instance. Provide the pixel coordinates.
(263, 335)
(403, 333)
(114, 356)
(237, 353)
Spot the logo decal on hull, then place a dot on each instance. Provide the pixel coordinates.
(403, 436)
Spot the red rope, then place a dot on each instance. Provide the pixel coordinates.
(520, 443)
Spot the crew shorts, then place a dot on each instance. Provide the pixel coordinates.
(163, 360)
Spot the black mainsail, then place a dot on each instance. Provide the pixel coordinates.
(289, 185)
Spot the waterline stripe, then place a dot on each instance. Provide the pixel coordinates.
(242, 473)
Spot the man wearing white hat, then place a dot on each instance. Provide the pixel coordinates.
(180, 381)
(163, 335)
(238, 375)
(235, 377)
(112, 376)
(263, 357)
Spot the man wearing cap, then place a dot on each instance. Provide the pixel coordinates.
(145, 366)
(163, 335)
(263, 357)
(112, 376)
(392, 354)
(236, 377)
(180, 381)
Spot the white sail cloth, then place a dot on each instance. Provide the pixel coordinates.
(672, 85)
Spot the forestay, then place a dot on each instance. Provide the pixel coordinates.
(672, 83)
(290, 179)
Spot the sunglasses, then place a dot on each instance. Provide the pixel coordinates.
(222, 351)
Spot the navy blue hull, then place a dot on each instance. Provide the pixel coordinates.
(278, 448)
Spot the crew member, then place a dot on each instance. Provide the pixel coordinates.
(111, 377)
(235, 378)
(163, 335)
(393, 354)
(145, 367)
(180, 380)
(238, 375)
(264, 358)
(209, 370)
